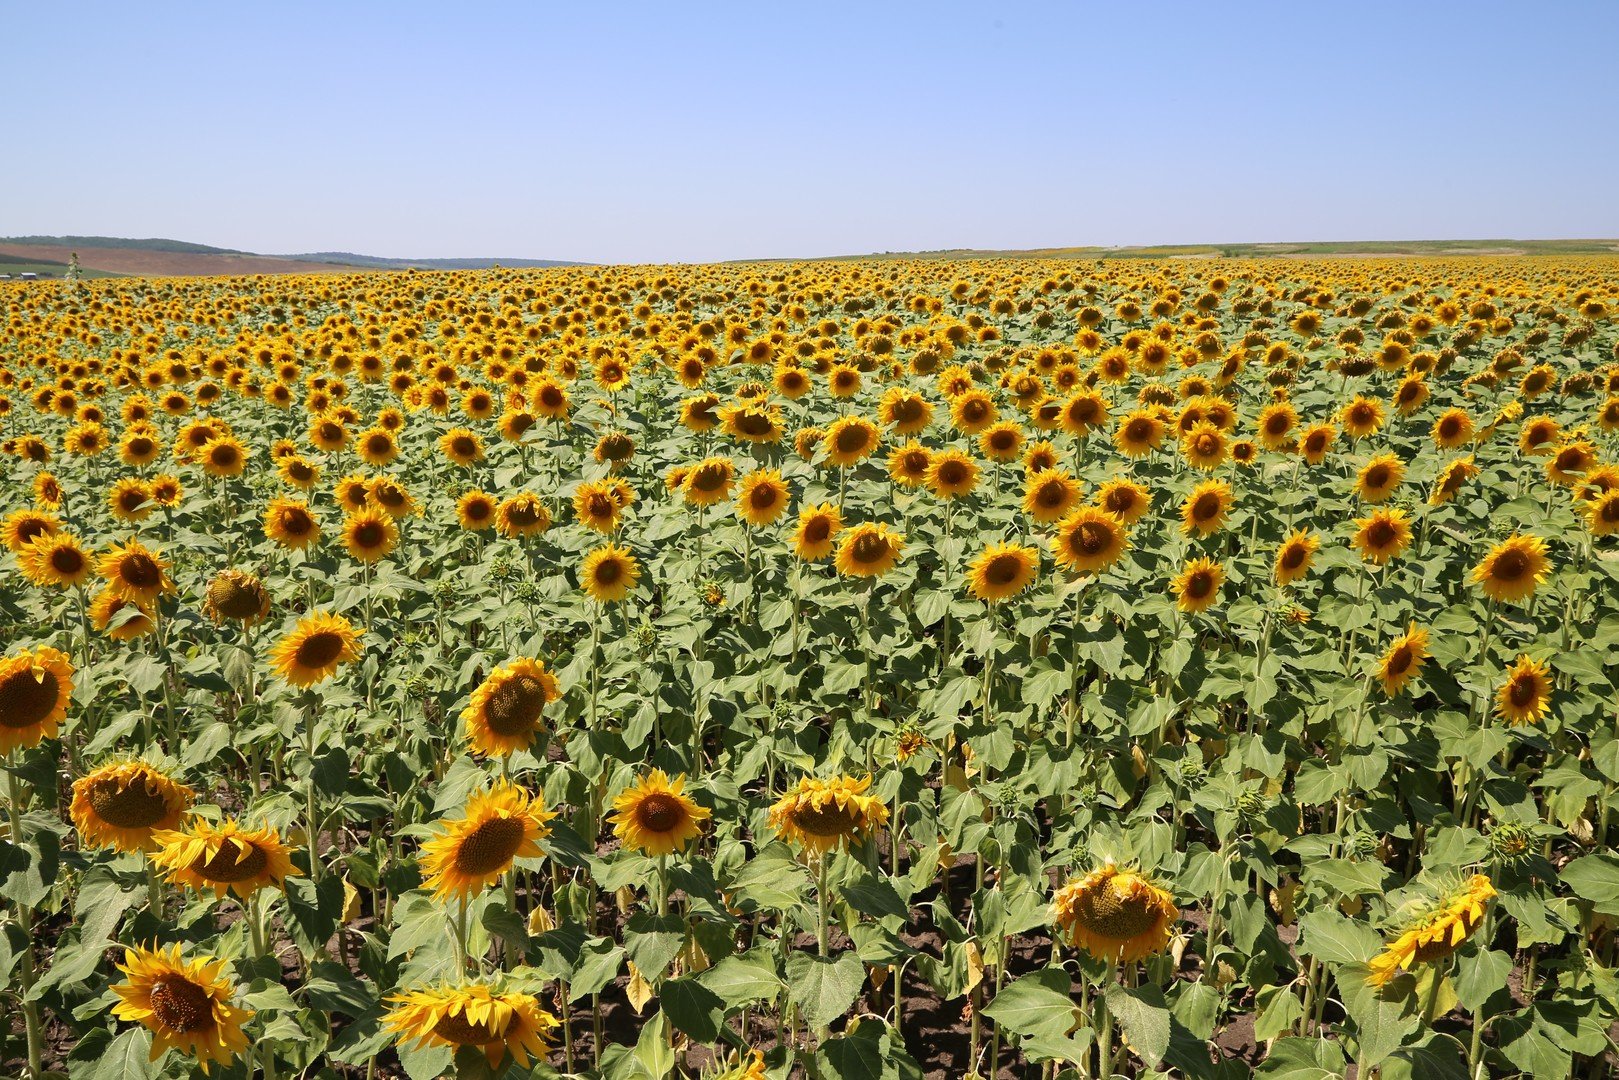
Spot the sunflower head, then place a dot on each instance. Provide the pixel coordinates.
(1382, 536)
(186, 1004)
(1089, 540)
(1513, 569)
(505, 712)
(496, 1021)
(1526, 694)
(223, 857)
(655, 816)
(236, 596)
(1403, 661)
(1205, 508)
(1002, 571)
(1197, 586)
(1115, 915)
(868, 550)
(609, 574)
(36, 688)
(473, 851)
(817, 531)
(135, 572)
(1435, 929)
(819, 816)
(762, 497)
(123, 804)
(315, 648)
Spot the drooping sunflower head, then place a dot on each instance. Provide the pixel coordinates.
(236, 596)
(1435, 929)
(505, 712)
(655, 816)
(819, 816)
(609, 573)
(1451, 479)
(186, 1004)
(1001, 571)
(36, 688)
(1526, 694)
(135, 572)
(817, 531)
(1513, 569)
(473, 851)
(223, 857)
(124, 803)
(1089, 540)
(498, 1022)
(1403, 661)
(315, 648)
(868, 550)
(1115, 915)
(521, 515)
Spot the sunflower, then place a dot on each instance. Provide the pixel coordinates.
(1524, 697)
(236, 596)
(762, 497)
(697, 413)
(167, 491)
(1436, 933)
(1275, 425)
(817, 531)
(655, 816)
(57, 559)
(223, 857)
(36, 688)
(843, 381)
(1570, 462)
(1513, 569)
(505, 711)
(1204, 447)
(1118, 916)
(475, 510)
(1379, 478)
(139, 447)
(186, 1004)
(298, 472)
(550, 400)
(751, 1067)
(1453, 428)
(1362, 416)
(1124, 499)
(1001, 571)
(752, 422)
(290, 523)
(223, 456)
(123, 803)
(369, 534)
(327, 433)
(315, 648)
(906, 411)
(1089, 540)
(1403, 661)
(48, 491)
(1602, 513)
(849, 439)
(473, 851)
(495, 1021)
(1293, 558)
(119, 619)
(130, 499)
(1204, 510)
(609, 574)
(1001, 441)
(23, 527)
(1050, 495)
(820, 816)
(1316, 441)
(868, 550)
(352, 492)
(709, 481)
(615, 449)
(1382, 536)
(1139, 433)
(952, 474)
(391, 496)
(595, 506)
(1539, 435)
(1197, 586)
(1084, 410)
(522, 514)
(461, 446)
(908, 464)
(135, 572)
(973, 411)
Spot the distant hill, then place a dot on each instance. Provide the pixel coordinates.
(1303, 249)
(159, 257)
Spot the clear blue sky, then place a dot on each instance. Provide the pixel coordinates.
(692, 131)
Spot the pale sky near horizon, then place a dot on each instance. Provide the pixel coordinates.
(695, 132)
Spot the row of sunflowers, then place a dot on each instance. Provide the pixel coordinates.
(881, 668)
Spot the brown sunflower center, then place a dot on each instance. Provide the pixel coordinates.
(25, 700)
(459, 1030)
(1092, 538)
(462, 446)
(140, 571)
(1377, 476)
(180, 1005)
(1199, 585)
(515, 705)
(608, 572)
(851, 440)
(523, 513)
(828, 820)
(869, 548)
(952, 473)
(1109, 912)
(907, 410)
(762, 497)
(660, 812)
(235, 597)
(1139, 430)
(1380, 534)
(369, 534)
(231, 864)
(1523, 692)
(817, 529)
(1003, 569)
(1293, 557)
(320, 649)
(489, 848)
(708, 479)
(128, 806)
(295, 522)
(1206, 507)
(1400, 662)
(1120, 502)
(1510, 566)
(617, 447)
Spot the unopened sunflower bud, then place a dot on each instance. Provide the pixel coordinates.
(1510, 841)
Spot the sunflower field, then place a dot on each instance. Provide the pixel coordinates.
(872, 670)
